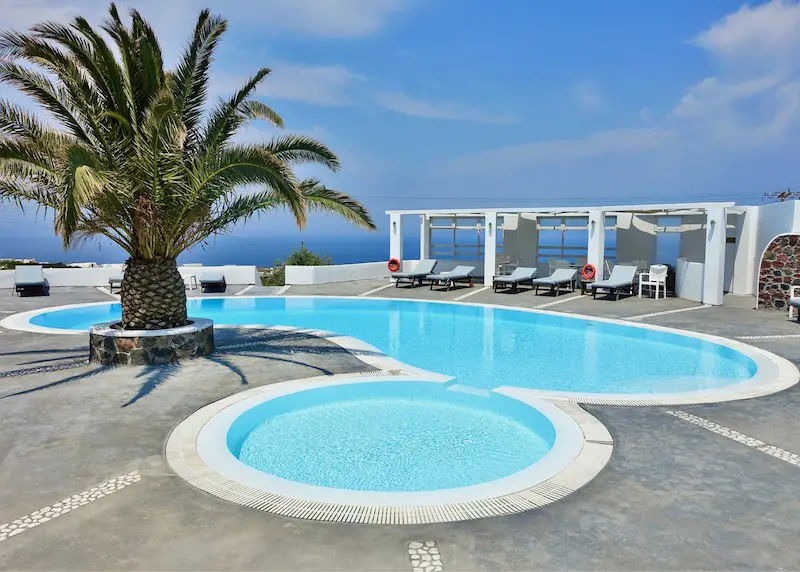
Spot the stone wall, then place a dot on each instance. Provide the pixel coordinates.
(117, 347)
(780, 270)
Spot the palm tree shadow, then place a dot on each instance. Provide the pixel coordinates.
(77, 377)
(230, 365)
(155, 376)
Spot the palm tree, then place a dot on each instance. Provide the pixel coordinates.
(140, 157)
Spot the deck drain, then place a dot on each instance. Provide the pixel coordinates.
(424, 556)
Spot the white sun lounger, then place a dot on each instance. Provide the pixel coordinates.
(212, 280)
(622, 277)
(560, 277)
(448, 279)
(423, 269)
(521, 275)
(29, 278)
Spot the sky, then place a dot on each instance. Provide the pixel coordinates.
(460, 103)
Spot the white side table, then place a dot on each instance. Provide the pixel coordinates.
(191, 281)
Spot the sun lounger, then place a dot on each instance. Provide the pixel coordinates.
(115, 280)
(521, 275)
(622, 278)
(795, 303)
(448, 279)
(423, 268)
(560, 277)
(214, 280)
(29, 278)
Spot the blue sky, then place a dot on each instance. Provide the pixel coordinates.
(438, 103)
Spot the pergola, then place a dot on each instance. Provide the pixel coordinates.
(711, 217)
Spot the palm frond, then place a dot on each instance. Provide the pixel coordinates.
(320, 198)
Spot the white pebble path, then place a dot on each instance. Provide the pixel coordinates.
(425, 557)
(48, 513)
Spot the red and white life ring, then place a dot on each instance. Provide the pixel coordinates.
(394, 265)
(589, 272)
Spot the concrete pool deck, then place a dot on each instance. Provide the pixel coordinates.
(678, 493)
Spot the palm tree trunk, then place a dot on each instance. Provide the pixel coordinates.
(153, 295)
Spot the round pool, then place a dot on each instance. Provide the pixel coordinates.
(384, 442)
(391, 436)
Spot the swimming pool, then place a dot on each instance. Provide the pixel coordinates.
(391, 436)
(388, 449)
(488, 346)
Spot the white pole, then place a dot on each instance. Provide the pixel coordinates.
(424, 237)
(490, 249)
(596, 249)
(714, 270)
(396, 237)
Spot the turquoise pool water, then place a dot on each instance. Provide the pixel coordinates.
(390, 436)
(483, 347)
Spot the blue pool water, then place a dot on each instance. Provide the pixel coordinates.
(390, 436)
(483, 347)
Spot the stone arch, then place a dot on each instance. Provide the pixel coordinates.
(779, 271)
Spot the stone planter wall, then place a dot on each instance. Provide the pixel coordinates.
(780, 270)
(110, 346)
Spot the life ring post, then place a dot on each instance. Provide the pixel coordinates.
(589, 272)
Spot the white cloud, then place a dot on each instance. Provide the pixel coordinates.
(764, 35)
(561, 150)
(587, 96)
(326, 18)
(407, 105)
(752, 100)
(318, 85)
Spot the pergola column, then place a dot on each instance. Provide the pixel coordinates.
(396, 237)
(490, 247)
(424, 237)
(714, 269)
(596, 249)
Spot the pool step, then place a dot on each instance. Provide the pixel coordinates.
(470, 390)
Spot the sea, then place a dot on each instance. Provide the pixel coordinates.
(266, 251)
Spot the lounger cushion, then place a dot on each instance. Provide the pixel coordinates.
(454, 274)
(794, 302)
(559, 276)
(519, 274)
(212, 279)
(28, 276)
(424, 267)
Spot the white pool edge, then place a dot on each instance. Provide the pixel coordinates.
(773, 374)
(197, 451)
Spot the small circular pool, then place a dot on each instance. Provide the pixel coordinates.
(394, 444)
(391, 436)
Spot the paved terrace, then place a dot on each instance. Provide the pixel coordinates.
(675, 494)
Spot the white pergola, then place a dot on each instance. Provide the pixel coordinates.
(715, 223)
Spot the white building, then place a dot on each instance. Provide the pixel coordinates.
(720, 246)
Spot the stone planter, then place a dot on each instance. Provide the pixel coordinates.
(109, 345)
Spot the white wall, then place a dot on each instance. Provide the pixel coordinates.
(744, 258)
(296, 275)
(774, 219)
(57, 277)
(637, 241)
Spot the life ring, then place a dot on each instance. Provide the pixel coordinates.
(589, 272)
(394, 265)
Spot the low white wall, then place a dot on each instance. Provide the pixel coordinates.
(299, 275)
(57, 277)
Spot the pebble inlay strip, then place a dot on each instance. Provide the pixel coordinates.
(44, 368)
(424, 556)
(771, 450)
(772, 337)
(666, 312)
(48, 513)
